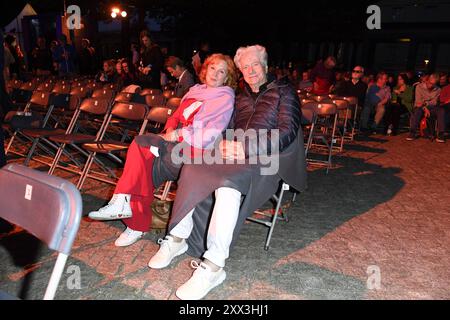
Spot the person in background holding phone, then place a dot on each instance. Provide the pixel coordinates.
(151, 63)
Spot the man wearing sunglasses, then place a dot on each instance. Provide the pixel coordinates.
(355, 87)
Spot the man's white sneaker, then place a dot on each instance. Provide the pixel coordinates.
(168, 250)
(128, 237)
(201, 282)
(117, 208)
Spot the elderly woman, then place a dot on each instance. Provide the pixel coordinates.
(272, 107)
(202, 116)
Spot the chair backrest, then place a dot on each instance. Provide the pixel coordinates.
(159, 114)
(40, 98)
(173, 103)
(95, 106)
(79, 91)
(60, 100)
(323, 98)
(123, 97)
(107, 94)
(341, 104)
(46, 87)
(28, 86)
(46, 206)
(146, 92)
(155, 100)
(61, 88)
(321, 109)
(168, 94)
(130, 111)
(306, 100)
(353, 101)
(308, 115)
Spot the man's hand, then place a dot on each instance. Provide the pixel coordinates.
(426, 112)
(231, 150)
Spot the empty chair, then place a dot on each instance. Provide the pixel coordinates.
(48, 207)
(168, 94)
(173, 103)
(46, 87)
(132, 112)
(354, 111)
(61, 88)
(343, 114)
(80, 92)
(123, 97)
(90, 109)
(146, 92)
(155, 100)
(157, 117)
(324, 130)
(107, 94)
(39, 104)
(66, 106)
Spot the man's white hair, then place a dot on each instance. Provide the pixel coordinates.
(260, 51)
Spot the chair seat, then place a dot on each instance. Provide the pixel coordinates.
(40, 133)
(73, 138)
(106, 146)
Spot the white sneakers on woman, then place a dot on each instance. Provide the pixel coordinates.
(128, 237)
(117, 208)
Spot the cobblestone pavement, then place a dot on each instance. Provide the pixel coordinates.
(384, 210)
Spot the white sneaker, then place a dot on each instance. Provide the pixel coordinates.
(168, 250)
(128, 237)
(117, 208)
(201, 282)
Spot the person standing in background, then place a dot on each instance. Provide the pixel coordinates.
(151, 63)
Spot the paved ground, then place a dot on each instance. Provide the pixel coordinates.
(376, 227)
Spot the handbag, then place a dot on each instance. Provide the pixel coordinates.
(161, 210)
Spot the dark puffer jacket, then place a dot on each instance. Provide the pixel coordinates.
(276, 106)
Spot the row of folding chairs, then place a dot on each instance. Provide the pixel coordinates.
(99, 111)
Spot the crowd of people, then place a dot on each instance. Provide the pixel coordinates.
(214, 200)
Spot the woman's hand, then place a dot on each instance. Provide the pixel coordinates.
(170, 135)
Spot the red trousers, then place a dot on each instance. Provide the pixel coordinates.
(137, 180)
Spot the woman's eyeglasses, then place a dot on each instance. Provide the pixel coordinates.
(357, 71)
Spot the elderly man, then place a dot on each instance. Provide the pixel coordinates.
(238, 188)
(427, 104)
(176, 68)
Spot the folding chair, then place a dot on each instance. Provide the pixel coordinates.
(354, 110)
(277, 215)
(326, 122)
(49, 208)
(125, 111)
(107, 94)
(168, 94)
(91, 109)
(173, 103)
(67, 106)
(147, 92)
(39, 103)
(343, 109)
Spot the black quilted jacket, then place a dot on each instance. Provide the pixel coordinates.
(275, 107)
